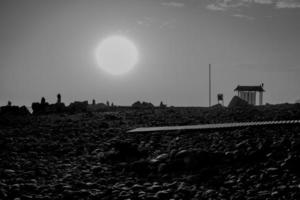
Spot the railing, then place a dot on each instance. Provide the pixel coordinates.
(214, 126)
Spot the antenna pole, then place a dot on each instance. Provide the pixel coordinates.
(209, 85)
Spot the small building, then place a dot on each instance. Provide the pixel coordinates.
(248, 93)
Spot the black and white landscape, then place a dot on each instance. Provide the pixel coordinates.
(77, 75)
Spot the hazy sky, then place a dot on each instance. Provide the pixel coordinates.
(48, 47)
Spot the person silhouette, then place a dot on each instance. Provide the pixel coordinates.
(43, 101)
(58, 98)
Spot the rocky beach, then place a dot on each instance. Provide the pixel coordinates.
(90, 155)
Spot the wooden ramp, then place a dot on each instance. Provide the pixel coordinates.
(214, 126)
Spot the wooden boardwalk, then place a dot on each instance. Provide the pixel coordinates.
(214, 126)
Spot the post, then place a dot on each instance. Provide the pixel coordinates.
(209, 85)
(260, 98)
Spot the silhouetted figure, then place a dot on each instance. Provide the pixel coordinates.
(43, 101)
(40, 108)
(94, 102)
(58, 98)
(107, 103)
(59, 107)
(9, 103)
(162, 105)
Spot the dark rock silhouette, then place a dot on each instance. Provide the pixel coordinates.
(57, 108)
(14, 110)
(97, 107)
(40, 108)
(144, 105)
(237, 102)
(217, 106)
(46, 108)
(78, 106)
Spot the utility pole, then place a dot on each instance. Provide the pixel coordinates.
(209, 85)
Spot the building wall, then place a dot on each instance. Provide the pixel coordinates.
(248, 96)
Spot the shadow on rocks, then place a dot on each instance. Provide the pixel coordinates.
(125, 152)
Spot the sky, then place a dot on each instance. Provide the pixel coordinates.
(48, 47)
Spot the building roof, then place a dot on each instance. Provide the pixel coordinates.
(257, 88)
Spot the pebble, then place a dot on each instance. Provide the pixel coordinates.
(163, 194)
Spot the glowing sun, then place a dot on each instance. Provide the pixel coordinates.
(117, 55)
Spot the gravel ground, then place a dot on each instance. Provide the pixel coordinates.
(90, 156)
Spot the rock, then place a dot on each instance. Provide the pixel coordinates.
(275, 194)
(9, 172)
(124, 195)
(162, 168)
(181, 154)
(14, 111)
(163, 194)
(3, 193)
(237, 102)
(140, 167)
(242, 144)
(27, 197)
(203, 175)
(137, 187)
(104, 125)
(172, 185)
(293, 163)
(282, 187)
(78, 107)
(154, 188)
(159, 158)
(151, 197)
(128, 152)
(196, 160)
(29, 187)
(272, 170)
(184, 191)
(263, 193)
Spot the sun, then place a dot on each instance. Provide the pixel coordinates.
(117, 55)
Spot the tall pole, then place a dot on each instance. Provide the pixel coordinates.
(209, 85)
